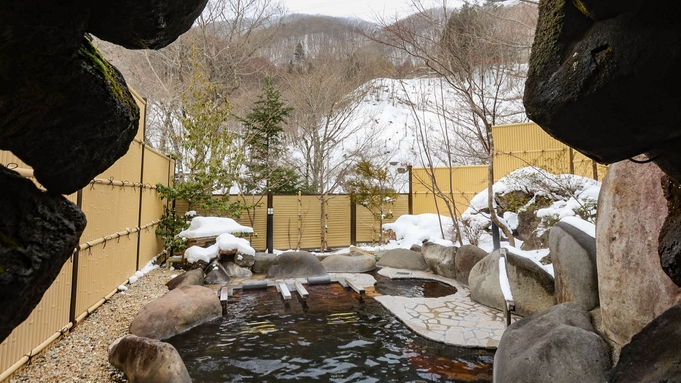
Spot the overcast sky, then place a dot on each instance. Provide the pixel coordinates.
(364, 9)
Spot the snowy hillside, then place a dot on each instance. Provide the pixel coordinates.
(410, 122)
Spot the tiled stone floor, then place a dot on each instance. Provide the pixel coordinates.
(453, 319)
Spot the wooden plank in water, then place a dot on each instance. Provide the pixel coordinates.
(301, 290)
(224, 293)
(353, 285)
(283, 289)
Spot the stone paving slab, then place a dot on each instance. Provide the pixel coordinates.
(453, 319)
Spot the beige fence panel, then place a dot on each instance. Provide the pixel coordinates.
(520, 145)
(367, 227)
(338, 221)
(465, 182)
(516, 146)
(102, 267)
(156, 170)
(7, 157)
(297, 220)
(256, 218)
(46, 320)
(303, 217)
(109, 209)
(587, 167)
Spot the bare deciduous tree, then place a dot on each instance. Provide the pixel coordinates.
(480, 51)
(325, 123)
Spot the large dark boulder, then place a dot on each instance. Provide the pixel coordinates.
(175, 312)
(558, 345)
(66, 143)
(38, 233)
(604, 78)
(669, 247)
(65, 111)
(653, 354)
(532, 287)
(296, 264)
(573, 254)
(466, 257)
(148, 360)
(403, 259)
(143, 24)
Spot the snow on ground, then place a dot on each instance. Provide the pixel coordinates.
(140, 273)
(415, 229)
(212, 226)
(581, 193)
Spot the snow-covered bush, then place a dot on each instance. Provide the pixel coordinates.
(530, 201)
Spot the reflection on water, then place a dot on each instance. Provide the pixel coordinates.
(412, 288)
(335, 337)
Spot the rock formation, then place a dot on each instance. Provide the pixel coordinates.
(532, 287)
(339, 263)
(440, 259)
(38, 233)
(669, 240)
(557, 345)
(573, 254)
(633, 289)
(147, 360)
(466, 257)
(191, 277)
(294, 264)
(403, 259)
(604, 79)
(68, 113)
(175, 312)
(653, 354)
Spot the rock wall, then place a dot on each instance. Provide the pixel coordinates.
(633, 288)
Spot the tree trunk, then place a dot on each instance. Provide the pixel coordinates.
(322, 220)
(490, 199)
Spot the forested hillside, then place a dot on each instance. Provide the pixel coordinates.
(336, 86)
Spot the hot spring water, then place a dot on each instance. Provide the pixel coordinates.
(335, 336)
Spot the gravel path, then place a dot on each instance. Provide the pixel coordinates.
(82, 354)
